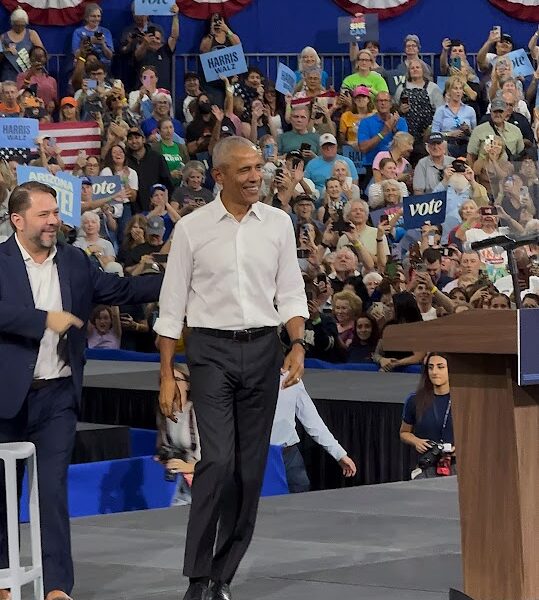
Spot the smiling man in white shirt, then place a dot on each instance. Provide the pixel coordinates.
(230, 263)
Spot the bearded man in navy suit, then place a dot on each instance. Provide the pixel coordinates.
(47, 291)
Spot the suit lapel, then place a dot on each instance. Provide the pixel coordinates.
(19, 274)
(64, 277)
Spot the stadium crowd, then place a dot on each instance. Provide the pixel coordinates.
(339, 159)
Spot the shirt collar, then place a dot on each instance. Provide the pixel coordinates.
(28, 259)
(220, 211)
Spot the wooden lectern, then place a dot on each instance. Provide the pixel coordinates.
(496, 426)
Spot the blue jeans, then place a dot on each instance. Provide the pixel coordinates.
(296, 475)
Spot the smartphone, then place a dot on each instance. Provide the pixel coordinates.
(91, 84)
(448, 252)
(497, 28)
(524, 191)
(269, 151)
(151, 30)
(117, 84)
(304, 146)
(125, 316)
(488, 210)
(456, 62)
(302, 253)
(421, 267)
(160, 258)
(98, 35)
(321, 278)
(348, 182)
(52, 142)
(279, 172)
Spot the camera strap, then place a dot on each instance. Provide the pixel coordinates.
(446, 417)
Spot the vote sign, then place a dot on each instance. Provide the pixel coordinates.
(105, 186)
(427, 207)
(153, 7)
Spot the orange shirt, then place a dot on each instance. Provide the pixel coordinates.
(7, 110)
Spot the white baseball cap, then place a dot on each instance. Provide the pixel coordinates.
(327, 138)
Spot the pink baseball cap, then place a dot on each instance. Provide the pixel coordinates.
(361, 90)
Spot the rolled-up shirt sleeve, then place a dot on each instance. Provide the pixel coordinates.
(290, 294)
(176, 285)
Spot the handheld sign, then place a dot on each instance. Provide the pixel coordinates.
(68, 190)
(227, 61)
(105, 186)
(441, 81)
(520, 61)
(286, 80)
(386, 210)
(18, 133)
(427, 207)
(153, 7)
(394, 78)
(357, 28)
(356, 157)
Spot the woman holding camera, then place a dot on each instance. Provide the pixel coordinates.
(427, 423)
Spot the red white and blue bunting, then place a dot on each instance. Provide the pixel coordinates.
(525, 10)
(50, 12)
(385, 9)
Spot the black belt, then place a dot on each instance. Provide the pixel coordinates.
(39, 384)
(238, 335)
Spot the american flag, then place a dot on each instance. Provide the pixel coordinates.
(73, 137)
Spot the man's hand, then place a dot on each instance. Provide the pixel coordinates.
(61, 321)
(293, 366)
(308, 154)
(446, 44)
(217, 112)
(349, 468)
(169, 397)
(352, 234)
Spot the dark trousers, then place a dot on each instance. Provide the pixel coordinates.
(296, 474)
(234, 388)
(48, 418)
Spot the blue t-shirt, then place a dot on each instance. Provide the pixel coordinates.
(372, 126)
(82, 32)
(430, 425)
(319, 170)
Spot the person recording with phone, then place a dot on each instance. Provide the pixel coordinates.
(99, 38)
(427, 422)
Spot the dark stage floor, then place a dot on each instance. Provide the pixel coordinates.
(397, 541)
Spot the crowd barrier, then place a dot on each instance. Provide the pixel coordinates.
(310, 363)
(137, 483)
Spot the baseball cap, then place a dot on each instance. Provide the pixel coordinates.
(158, 186)
(498, 104)
(327, 138)
(361, 90)
(68, 100)
(301, 199)
(85, 181)
(135, 131)
(506, 38)
(156, 226)
(435, 138)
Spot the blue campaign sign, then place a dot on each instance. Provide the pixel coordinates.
(286, 80)
(105, 186)
(521, 63)
(440, 82)
(153, 7)
(528, 346)
(387, 210)
(68, 190)
(356, 157)
(357, 28)
(537, 96)
(394, 78)
(427, 207)
(227, 61)
(16, 132)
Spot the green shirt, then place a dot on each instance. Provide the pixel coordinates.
(290, 140)
(172, 156)
(374, 81)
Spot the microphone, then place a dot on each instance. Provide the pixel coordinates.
(506, 242)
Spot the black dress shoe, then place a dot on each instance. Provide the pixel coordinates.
(219, 591)
(196, 591)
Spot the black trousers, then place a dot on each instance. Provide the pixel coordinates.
(234, 388)
(48, 418)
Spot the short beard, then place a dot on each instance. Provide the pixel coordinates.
(44, 245)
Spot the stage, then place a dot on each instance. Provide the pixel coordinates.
(396, 541)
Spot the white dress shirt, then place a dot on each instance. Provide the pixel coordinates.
(225, 274)
(45, 285)
(293, 402)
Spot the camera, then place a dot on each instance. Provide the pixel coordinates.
(340, 225)
(431, 457)
(168, 452)
(98, 35)
(151, 30)
(317, 114)
(459, 166)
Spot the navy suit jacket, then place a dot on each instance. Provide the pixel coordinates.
(22, 326)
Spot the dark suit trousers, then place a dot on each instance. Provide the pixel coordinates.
(48, 418)
(234, 388)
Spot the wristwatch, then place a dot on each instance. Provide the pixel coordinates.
(299, 341)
